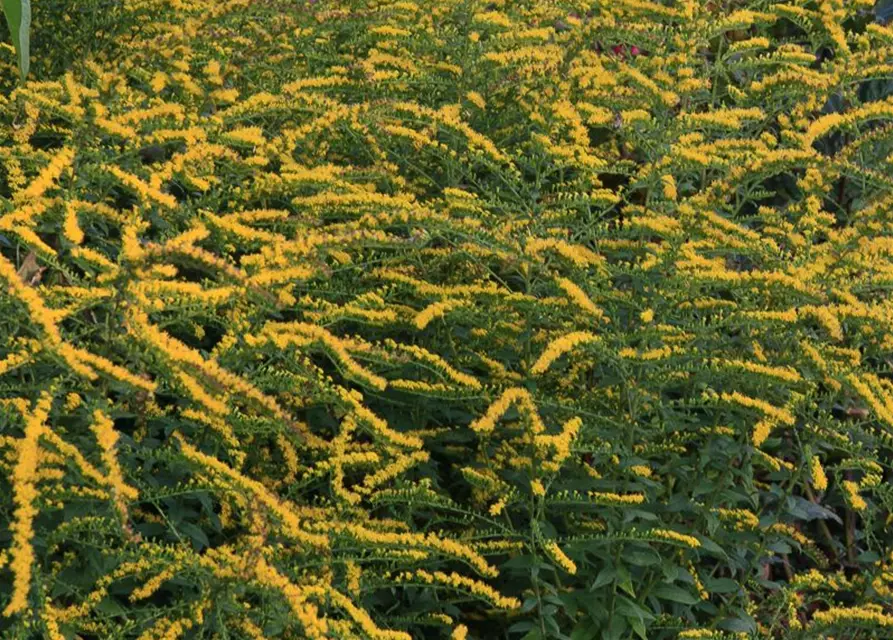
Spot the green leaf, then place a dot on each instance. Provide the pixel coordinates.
(641, 557)
(708, 545)
(18, 17)
(674, 594)
(633, 514)
(568, 602)
(196, 535)
(632, 609)
(742, 624)
(883, 11)
(625, 581)
(585, 631)
(521, 627)
(604, 577)
(721, 585)
(639, 627)
(868, 557)
(533, 634)
(110, 607)
(616, 628)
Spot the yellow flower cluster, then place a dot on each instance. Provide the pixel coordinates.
(468, 585)
(147, 193)
(44, 181)
(675, 536)
(104, 430)
(24, 496)
(555, 449)
(558, 556)
(867, 615)
(436, 310)
(851, 491)
(817, 474)
(559, 347)
(487, 423)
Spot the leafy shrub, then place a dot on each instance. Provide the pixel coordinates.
(391, 320)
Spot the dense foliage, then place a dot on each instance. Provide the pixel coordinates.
(392, 319)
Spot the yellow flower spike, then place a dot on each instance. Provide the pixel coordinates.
(469, 585)
(146, 193)
(459, 633)
(111, 369)
(674, 536)
(104, 430)
(517, 395)
(72, 401)
(558, 556)
(284, 334)
(435, 360)
(289, 518)
(851, 492)
(618, 499)
(476, 99)
(24, 495)
(37, 309)
(246, 135)
(578, 255)
(817, 474)
(559, 347)
(740, 518)
(152, 585)
(786, 374)
(18, 358)
(702, 592)
(863, 615)
(772, 412)
(537, 488)
(378, 426)
(71, 227)
(48, 176)
(437, 310)
(396, 468)
(579, 297)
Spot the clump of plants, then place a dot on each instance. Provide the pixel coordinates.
(450, 319)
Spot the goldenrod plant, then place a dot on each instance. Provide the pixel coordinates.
(468, 319)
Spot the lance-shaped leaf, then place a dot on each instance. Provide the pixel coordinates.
(18, 17)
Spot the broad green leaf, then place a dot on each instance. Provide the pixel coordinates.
(639, 627)
(18, 17)
(533, 634)
(721, 585)
(632, 609)
(675, 594)
(742, 624)
(616, 628)
(521, 627)
(584, 631)
(625, 581)
(641, 556)
(605, 576)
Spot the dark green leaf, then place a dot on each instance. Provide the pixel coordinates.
(675, 594)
